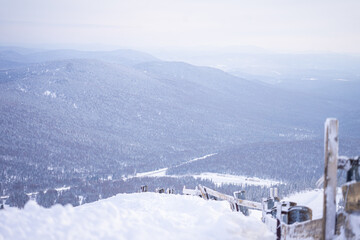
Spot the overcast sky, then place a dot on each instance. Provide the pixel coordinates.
(280, 25)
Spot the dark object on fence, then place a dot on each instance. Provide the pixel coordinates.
(213, 198)
(239, 194)
(351, 189)
(289, 212)
(285, 207)
(273, 198)
(170, 191)
(1, 206)
(299, 214)
(159, 190)
(206, 195)
(144, 188)
(353, 172)
(239, 208)
(270, 203)
(278, 229)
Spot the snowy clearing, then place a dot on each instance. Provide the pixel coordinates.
(162, 172)
(217, 178)
(157, 173)
(220, 179)
(133, 216)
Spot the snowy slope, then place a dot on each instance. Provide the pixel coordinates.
(132, 216)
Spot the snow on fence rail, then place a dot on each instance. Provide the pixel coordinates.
(237, 203)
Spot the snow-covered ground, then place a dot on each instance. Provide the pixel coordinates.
(133, 216)
(220, 179)
(162, 172)
(312, 199)
(217, 178)
(157, 173)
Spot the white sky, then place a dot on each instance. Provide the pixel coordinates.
(281, 25)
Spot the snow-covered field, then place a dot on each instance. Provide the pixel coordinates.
(220, 179)
(132, 216)
(162, 172)
(217, 178)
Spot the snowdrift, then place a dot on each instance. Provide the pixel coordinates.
(132, 216)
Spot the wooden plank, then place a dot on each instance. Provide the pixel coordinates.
(220, 195)
(245, 203)
(249, 204)
(330, 178)
(203, 193)
(304, 230)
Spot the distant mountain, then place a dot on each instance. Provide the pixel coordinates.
(328, 76)
(124, 57)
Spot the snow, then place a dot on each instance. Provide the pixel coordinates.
(313, 199)
(355, 224)
(64, 188)
(197, 159)
(310, 79)
(220, 179)
(157, 173)
(217, 178)
(341, 80)
(51, 94)
(162, 172)
(133, 216)
(21, 89)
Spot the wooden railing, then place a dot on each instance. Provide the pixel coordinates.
(333, 223)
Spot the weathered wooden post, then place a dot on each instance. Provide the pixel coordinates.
(330, 178)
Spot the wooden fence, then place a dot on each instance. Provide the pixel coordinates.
(277, 214)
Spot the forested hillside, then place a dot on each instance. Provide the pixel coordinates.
(72, 118)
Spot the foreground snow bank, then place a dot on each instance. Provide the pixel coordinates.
(132, 216)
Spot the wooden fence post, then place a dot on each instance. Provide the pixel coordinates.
(330, 178)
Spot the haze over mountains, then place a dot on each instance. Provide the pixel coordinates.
(324, 74)
(92, 114)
